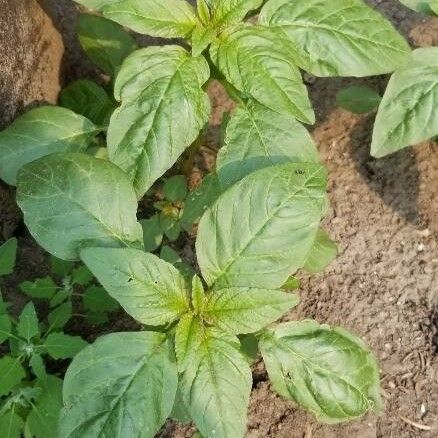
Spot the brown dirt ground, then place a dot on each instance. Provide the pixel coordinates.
(384, 284)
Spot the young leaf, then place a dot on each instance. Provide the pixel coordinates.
(152, 233)
(88, 199)
(257, 137)
(260, 230)
(11, 374)
(39, 132)
(28, 326)
(175, 188)
(423, 6)
(97, 300)
(62, 346)
(199, 200)
(42, 421)
(170, 226)
(261, 63)
(172, 257)
(37, 366)
(242, 310)
(164, 18)
(292, 283)
(216, 380)
(198, 294)
(59, 317)
(407, 113)
(338, 37)
(203, 10)
(60, 297)
(149, 289)
(133, 396)
(11, 424)
(156, 85)
(41, 288)
(328, 371)
(60, 268)
(323, 252)
(97, 5)
(8, 254)
(358, 99)
(81, 276)
(202, 37)
(88, 99)
(227, 12)
(106, 43)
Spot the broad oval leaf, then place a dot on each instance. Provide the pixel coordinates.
(28, 325)
(121, 386)
(163, 18)
(328, 371)
(39, 132)
(261, 63)
(88, 99)
(260, 231)
(323, 252)
(163, 109)
(92, 203)
(148, 288)
(408, 113)
(257, 137)
(227, 12)
(106, 43)
(62, 346)
(358, 99)
(242, 310)
(338, 37)
(216, 379)
(11, 424)
(11, 374)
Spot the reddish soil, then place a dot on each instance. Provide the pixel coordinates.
(384, 284)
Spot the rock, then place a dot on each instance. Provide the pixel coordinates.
(31, 52)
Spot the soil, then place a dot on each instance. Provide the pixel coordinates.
(384, 283)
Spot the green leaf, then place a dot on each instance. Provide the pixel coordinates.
(198, 294)
(175, 188)
(39, 132)
(88, 99)
(11, 374)
(249, 347)
(172, 257)
(42, 420)
(59, 317)
(60, 297)
(149, 289)
(91, 203)
(407, 114)
(423, 6)
(28, 326)
(8, 254)
(327, 371)
(96, 299)
(257, 137)
(180, 412)
(202, 37)
(96, 4)
(164, 18)
(170, 226)
(11, 424)
(156, 85)
(358, 99)
(5, 327)
(216, 379)
(260, 63)
(261, 230)
(152, 233)
(132, 397)
(37, 366)
(41, 288)
(338, 37)
(227, 12)
(60, 268)
(292, 283)
(203, 10)
(199, 200)
(82, 276)
(106, 43)
(62, 346)
(323, 252)
(240, 310)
